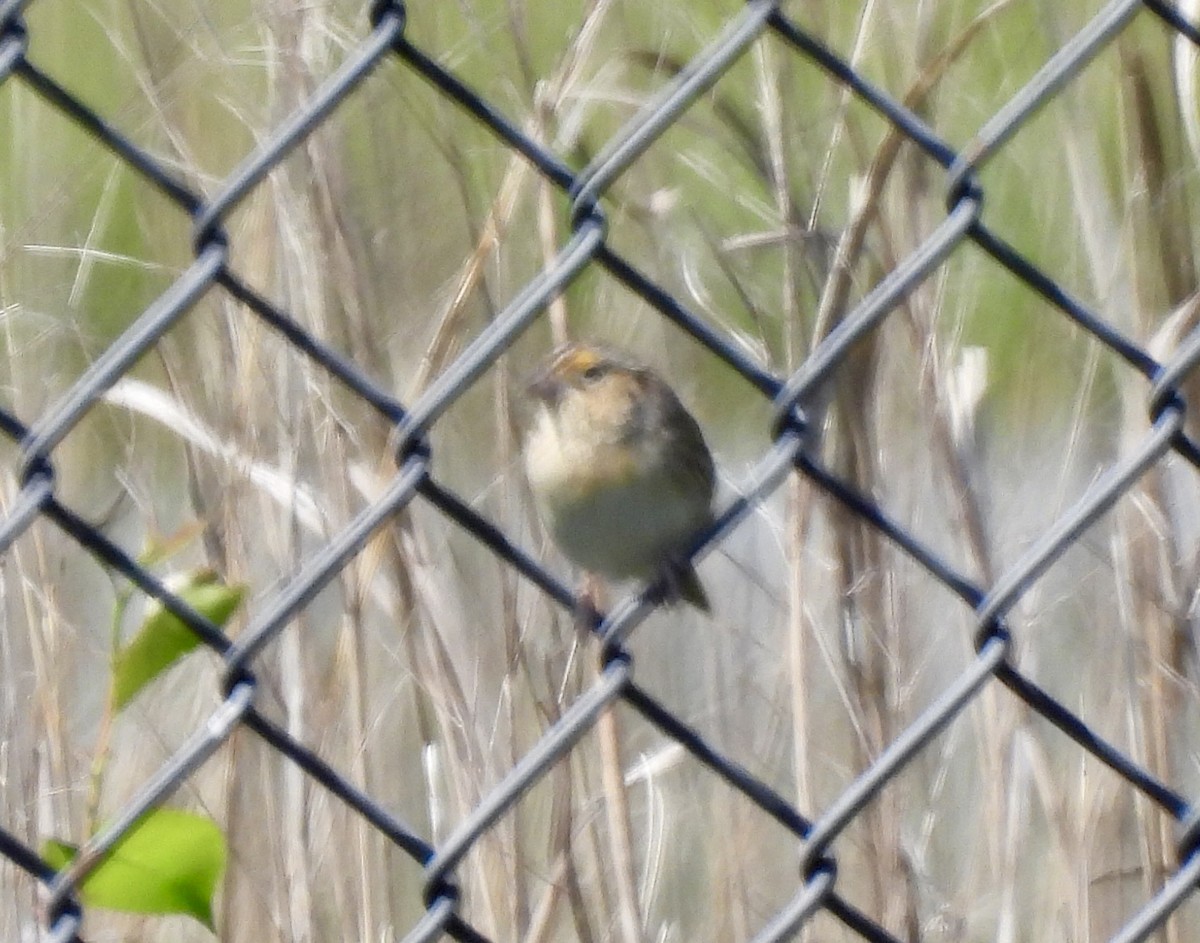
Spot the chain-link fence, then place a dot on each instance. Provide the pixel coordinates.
(800, 403)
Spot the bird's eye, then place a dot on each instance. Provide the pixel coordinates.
(594, 372)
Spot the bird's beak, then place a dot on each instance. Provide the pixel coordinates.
(546, 388)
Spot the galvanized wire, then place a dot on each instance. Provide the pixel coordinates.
(793, 398)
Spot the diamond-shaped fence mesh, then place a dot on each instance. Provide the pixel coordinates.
(949, 687)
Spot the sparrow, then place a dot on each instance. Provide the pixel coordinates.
(618, 467)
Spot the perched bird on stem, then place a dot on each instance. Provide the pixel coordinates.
(619, 468)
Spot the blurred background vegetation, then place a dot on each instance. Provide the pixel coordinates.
(976, 414)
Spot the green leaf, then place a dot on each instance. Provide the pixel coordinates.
(163, 639)
(170, 863)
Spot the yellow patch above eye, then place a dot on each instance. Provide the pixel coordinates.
(578, 359)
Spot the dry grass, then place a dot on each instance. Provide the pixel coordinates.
(975, 414)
